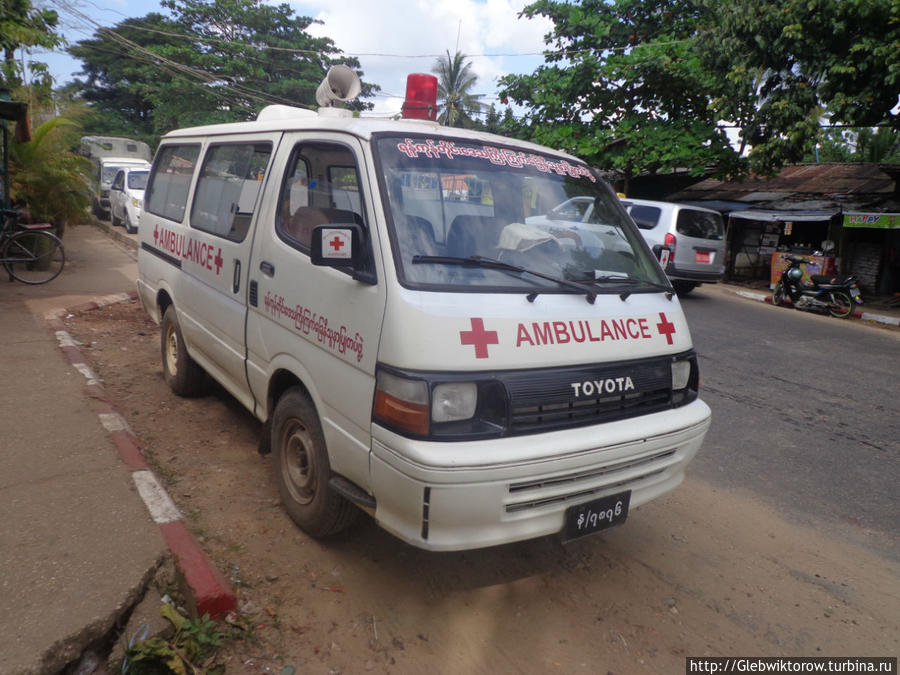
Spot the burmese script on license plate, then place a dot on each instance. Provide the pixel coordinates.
(704, 257)
(597, 515)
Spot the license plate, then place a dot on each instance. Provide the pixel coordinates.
(600, 514)
(704, 257)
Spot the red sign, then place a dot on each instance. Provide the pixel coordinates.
(665, 327)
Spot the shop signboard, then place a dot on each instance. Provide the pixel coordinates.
(881, 221)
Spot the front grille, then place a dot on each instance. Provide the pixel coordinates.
(570, 397)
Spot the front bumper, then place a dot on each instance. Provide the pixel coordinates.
(454, 496)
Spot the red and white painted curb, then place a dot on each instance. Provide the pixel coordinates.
(857, 314)
(211, 592)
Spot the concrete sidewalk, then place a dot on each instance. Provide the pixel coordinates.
(77, 544)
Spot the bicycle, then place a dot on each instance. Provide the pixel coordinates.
(30, 253)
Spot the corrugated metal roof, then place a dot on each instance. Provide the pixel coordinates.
(799, 181)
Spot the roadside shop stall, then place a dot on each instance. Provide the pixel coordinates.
(758, 239)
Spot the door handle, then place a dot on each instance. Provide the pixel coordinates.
(267, 268)
(236, 280)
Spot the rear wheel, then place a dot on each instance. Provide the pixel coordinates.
(841, 306)
(302, 469)
(180, 371)
(33, 256)
(682, 288)
(779, 297)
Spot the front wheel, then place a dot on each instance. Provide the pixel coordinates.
(302, 469)
(840, 306)
(33, 256)
(180, 371)
(779, 297)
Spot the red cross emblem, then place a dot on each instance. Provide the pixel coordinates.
(218, 260)
(337, 244)
(479, 338)
(665, 327)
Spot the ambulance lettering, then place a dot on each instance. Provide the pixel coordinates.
(564, 332)
(188, 248)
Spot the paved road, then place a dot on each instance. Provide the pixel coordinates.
(805, 413)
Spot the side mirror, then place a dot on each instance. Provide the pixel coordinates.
(662, 253)
(340, 246)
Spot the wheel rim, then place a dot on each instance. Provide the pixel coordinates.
(297, 462)
(171, 351)
(841, 305)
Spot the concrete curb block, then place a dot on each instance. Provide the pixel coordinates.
(211, 593)
(857, 313)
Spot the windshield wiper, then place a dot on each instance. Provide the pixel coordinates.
(612, 279)
(480, 261)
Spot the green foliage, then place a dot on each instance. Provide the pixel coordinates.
(205, 61)
(622, 87)
(455, 83)
(22, 25)
(190, 650)
(47, 178)
(647, 85)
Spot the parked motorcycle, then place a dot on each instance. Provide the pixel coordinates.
(832, 293)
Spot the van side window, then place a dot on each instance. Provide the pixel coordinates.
(228, 188)
(320, 187)
(645, 217)
(167, 192)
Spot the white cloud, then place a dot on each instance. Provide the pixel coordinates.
(394, 38)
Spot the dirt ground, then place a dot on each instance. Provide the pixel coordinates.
(700, 572)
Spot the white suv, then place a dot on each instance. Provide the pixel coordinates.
(694, 235)
(126, 197)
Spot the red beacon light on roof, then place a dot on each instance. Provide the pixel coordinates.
(421, 97)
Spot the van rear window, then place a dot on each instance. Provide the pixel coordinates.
(167, 191)
(700, 224)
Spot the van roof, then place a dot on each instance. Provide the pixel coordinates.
(287, 118)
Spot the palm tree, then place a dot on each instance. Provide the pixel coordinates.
(455, 83)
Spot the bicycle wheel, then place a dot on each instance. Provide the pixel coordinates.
(33, 257)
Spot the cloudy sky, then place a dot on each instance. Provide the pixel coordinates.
(391, 38)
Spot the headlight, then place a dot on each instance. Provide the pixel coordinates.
(681, 374)
(440, 406)
(136, 203)
(454, 401)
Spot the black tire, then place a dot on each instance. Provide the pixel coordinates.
(129, 228)
(302, 469)
(33, 256)
(180, 371)
(113, 220)
(841, 306)
(682, 288)
(779, 297)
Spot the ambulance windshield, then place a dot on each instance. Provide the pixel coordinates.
(455, 199)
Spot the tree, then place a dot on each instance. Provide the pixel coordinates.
(622, 89)
(648, 85)
(455, 84)
(21, 25)
(206, 61)
(783, 67)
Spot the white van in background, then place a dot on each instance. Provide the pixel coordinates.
(421, 340)
(108, 154)
(695, 237)
(126, 197)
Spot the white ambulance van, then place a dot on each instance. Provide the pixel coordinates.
(424, 336)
